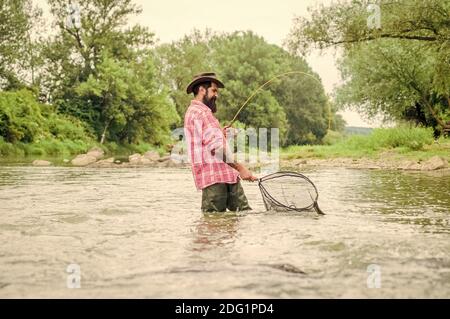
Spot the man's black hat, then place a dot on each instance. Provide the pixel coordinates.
(204, 77)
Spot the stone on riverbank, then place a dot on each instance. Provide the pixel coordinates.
(152, 156)
(138, 159)
(171, 163)
(134, 159)
(96, 152)
(164, 158)
(83, 160)
(407, 165)
(109, 162)
(434, 163)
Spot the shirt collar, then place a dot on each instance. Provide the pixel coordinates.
(200, 105)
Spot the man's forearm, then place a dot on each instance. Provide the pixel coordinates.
(244, 173)
(228, 158)
(235, 165)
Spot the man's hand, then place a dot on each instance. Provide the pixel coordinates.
(229, 129)
(245, 174)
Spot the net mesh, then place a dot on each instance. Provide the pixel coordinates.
(289, 191)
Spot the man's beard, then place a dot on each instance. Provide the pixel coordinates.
(211, 103)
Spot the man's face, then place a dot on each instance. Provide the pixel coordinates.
(210, 97)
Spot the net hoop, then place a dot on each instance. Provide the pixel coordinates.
(274, 202)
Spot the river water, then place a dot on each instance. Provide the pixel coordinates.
(139, 232)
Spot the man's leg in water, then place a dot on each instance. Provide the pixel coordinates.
(237, 201)
(214, 198)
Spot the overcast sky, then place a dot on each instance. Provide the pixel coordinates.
(172, 19)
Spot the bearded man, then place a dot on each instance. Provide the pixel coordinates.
(215, 172)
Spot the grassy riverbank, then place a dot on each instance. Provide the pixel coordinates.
(56, 150)
(382, 145)
(402, 143)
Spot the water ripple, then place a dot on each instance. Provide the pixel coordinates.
(140, 233)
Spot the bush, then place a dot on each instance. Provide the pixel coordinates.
(128, 149)
(332, 137)
(31, 128)
(403, 139)
(413, 138)
(66, 127)
(23, 119)
(8, 149)
(46, 147)
(20, 117)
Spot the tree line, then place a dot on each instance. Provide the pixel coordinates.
(103, 79)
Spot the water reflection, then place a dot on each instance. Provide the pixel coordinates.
(413, 192)
(215, 230)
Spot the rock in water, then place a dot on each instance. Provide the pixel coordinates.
(108, 160)
(104, 163)
(164, 158)
(152, 156)
(171, 163)
(96, 152)
(83, 160)
(135, 159)
(288, 268)
(146, 161)
(41, 163)
(434, 163)
(407, 165)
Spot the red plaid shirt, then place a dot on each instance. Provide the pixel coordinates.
(204, 136)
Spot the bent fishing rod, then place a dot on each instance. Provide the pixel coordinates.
(264, 85)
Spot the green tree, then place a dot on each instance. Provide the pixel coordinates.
(296, 104)
(394, 79)
(23, 119)
(336, 121)
(408, 30)
(74, 53)
(18, 56)
(103, 72)
(179, 61)
(304, 101)
(128, 102)
(245, 61)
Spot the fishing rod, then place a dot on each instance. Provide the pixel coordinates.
(267, 83)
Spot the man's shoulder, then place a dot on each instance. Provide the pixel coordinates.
(194, 112)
